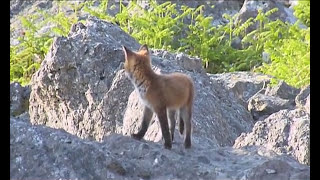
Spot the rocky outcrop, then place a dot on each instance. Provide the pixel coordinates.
(302, 100)
(282, 90)
(19, 99)
(307, 105)
(76, 85)
(81, 88)
(257, 95)
(281, 112)
(38, 152)
(286, 131)
(81, 91)
(261, 106)
(242, 85)
(18, 5)
(188, 63)
(274, 99)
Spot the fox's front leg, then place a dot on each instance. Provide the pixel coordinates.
(147, 115)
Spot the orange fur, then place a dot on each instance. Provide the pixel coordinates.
(160, 92)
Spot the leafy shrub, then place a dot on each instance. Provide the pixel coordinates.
(26, 57)
(290, 53)
(159, 27)
(163, 26)
(290, 58)
(302, 11)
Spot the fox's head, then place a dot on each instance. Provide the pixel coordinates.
(135, 59)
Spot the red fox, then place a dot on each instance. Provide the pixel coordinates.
(163, 94)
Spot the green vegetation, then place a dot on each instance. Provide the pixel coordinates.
(302, 12)
(186, 30)
(26, 57)
(290, 54)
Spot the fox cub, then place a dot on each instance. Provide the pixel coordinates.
(163, 94)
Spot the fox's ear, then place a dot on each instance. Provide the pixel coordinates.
(144, 50)
(127, 52)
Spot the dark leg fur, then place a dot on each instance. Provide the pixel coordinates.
(162, 115)
(172, 122)
(185, 113)
(147, 115)
(181, 124)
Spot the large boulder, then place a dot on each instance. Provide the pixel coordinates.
(242, 85)
(307, 105)
(19, 99)
(274, 98)
(79, 86)
(283, 90)
(302, 100)
(186, 62)
(250, 9)
(287, 131)
(18, 5)
(261, 106)
(218, 118)
(39, 152)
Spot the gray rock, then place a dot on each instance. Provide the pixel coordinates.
(286, 131)
(302, 100)
(71, 89)
(18, 5)
(307, 105)
(39, 152)
(261, 105)
(193, 64)
(24, 117)
(81, 88)
(266, 57)
(250, 9)
(236, 43)
(218, 125)
(282, 90)
(242, 85)
(19, 99)
(189, 63)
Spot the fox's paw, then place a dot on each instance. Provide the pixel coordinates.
(187, 143)
(167, 145)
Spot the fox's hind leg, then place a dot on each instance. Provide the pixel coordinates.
(185, 114)
(172, 122)
(163, 120)
(181, 123)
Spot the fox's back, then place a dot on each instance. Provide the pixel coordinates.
(173, 89)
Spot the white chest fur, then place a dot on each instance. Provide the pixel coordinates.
(140, 88)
